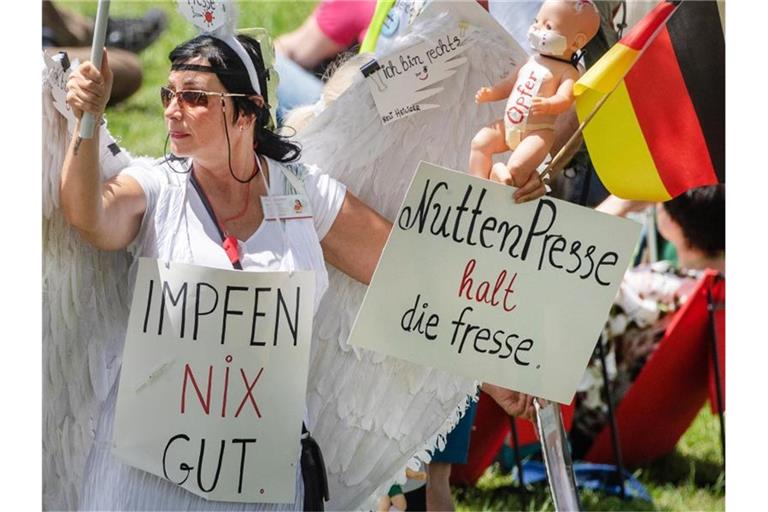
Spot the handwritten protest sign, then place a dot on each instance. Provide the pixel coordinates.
(207, 15)
(213, 380)
(404, 79)
(511, 294)
(57, 75)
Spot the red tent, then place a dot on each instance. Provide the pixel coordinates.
(673, 385)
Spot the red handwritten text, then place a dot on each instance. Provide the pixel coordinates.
(483, 293)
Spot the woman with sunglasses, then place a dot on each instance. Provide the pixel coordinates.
(202, 206)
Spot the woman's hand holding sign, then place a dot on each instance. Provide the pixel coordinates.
(514, 403)
(533, 188)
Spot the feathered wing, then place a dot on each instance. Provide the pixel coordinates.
(85, 311)
(371, 413)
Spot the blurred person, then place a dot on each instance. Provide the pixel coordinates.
(341, 73)
(65, 30)
(694, 223)
(455, 451)
(332, 28)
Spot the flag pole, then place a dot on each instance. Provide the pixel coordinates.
(97, 49)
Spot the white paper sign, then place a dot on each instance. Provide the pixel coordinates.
(408, 77)
(207, 15)
(512, 294)
(401, 83)
(57, 77)
(212, 387)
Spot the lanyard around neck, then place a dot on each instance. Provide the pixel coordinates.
(228, 242)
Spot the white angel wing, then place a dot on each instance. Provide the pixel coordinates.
(85, 311)
(371, 413)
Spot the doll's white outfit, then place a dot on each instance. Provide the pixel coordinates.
(516, 113)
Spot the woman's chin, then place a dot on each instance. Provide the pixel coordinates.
(180, 148)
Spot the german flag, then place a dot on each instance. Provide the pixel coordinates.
(661, 130)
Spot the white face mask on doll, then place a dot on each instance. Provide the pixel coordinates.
(547, 42)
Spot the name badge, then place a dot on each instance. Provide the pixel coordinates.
(286, 207)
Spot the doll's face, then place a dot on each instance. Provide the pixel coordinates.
(563, 26)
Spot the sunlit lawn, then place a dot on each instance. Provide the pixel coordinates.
(690, 478)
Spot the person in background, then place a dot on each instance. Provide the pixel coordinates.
(333, 27)
(455, 452)
(65, 30)
(694, 223)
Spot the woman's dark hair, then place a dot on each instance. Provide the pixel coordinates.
(223, 59)
(700, 212)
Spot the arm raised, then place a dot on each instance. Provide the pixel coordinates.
(106, 214)
(308, 46)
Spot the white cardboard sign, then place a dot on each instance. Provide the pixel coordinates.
(408, 77)
(512, 294)
(57, 77)
(213, 381)
(207, 15)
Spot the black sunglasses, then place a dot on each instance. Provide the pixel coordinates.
(191, 98)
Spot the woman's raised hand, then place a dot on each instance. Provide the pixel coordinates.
(88, 89)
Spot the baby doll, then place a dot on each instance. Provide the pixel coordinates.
(537, 93)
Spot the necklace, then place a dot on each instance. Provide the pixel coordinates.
(247, 202)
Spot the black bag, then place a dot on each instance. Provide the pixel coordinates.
(313, 473)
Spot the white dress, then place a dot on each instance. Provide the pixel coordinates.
(110, 484)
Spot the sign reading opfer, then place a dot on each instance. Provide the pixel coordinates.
(511, 294)
(213, 381)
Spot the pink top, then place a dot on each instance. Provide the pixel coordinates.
(345, 21)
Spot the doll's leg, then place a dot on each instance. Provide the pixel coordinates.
(487, 142)
(524, 160)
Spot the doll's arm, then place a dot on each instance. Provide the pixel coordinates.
(498, 91)
(557, 103)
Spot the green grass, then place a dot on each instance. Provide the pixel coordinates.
(690, 478)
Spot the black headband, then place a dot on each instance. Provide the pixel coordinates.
(207, 69)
